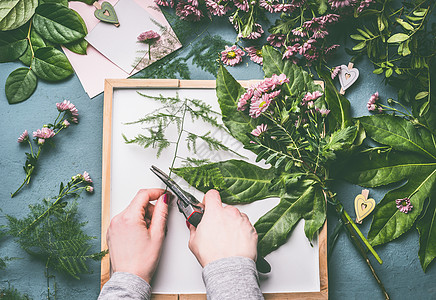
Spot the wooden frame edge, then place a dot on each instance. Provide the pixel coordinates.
(109, 86)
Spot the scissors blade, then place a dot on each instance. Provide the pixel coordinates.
(174, 187)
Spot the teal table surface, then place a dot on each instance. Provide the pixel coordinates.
(79, 149)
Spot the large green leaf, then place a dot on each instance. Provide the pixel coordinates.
(14, 13)
(427, 235)
(58, 24)
(37, 42)
(242, 182)
(305, 202)
(20, 85)
(51, 64)
(299, 80)
(400, 134)
(339, 116)
(12, 44)
(78, 47)
(228, 91)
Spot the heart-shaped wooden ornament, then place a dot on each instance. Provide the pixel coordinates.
(347, 76)
(106, 13)
(363, 206)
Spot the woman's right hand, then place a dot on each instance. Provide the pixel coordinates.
(223, 232)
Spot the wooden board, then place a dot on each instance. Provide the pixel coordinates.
(120, 84)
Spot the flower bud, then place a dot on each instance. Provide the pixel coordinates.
(41, 141)
(89, 189)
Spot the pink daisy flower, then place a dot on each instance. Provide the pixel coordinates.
(89, 189)
(255, 54)
(299, 32)
(232, 55)
(363, 5)
(86, 177)
(65, 123)
(244, 99)
(44, 133)
(165, 3)
(23, 137)
(255, 34)
(284, 8)
(336, 4)
(259, 130)
(242, 4)
(330, 18)
(67, 105)
(148, 37)
(41, 141)
(267, 5)
(312, 96)
(280, 79)
(215, 8)
(188, 12)
(276, 40)
(291, 51)
(259, 106)
(323, 111)
(335, 72)
(404, 205)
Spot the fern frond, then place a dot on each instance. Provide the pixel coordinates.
(208, 177)
(11, 293)
(194, 162)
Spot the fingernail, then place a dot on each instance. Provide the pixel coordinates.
(165, 198)
(188, 224)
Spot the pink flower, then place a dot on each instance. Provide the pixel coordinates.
(244, 99)
(23, 137)
(323, 111)
(41, 141)
(299, 32)
(319, 34)
(363, 5)
(314, 24)
(267, 5)
(44, 133)
(330, 49)
(284, 8)
(148, 37)
(255, 54)
(335, 72)
(259, 106)
(259, 130)
(330, 18)
(215, 8)
(291, 51)
(404, 205)
(276, 40)
(89, 189)
(67, 105)
(65, 123)
(86, 177)
(242, 4)
(165, 3)
(335, 4)
(372, 105)
(232, 55)
(188, 12)
(307, 46)
(312, 96)
(255, 34)
(280, 79)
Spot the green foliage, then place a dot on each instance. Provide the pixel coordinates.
(53, 233)
(11, 293)
(35, 42)
(173, 112)
(427, 235)
(238, 181)
(410, 157)
(340, 115)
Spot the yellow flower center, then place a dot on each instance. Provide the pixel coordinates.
(231, 54)
(262, 104)
(259, 52)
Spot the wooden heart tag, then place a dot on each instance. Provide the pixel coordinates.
(363, 206)
(347, 76)
(106, 13)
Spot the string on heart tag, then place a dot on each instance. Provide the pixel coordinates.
(347, 76)
(106, 13)
(363, 206)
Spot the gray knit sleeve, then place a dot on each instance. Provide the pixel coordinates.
(232, 278)
(124, 285)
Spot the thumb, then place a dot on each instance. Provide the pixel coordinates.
(160, 217)
(192, 233)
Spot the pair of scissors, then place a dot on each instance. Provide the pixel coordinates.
(189, 206)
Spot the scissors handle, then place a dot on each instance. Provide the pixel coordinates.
(195, 218)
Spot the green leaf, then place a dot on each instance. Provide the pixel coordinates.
(421, 95)
(243, 182)
(61, 2)
(380, 23)
(357, 37)
(89, 2)
(398, 38)
(427, 235)
(12, 44)
(228, 92)
(389, 72)
(37, 42)
(420, 12)
(400, 134)
(58, 24)
(424, 108)
(20, 85)
(51, 64)
(14, 13)
(359, 46)
(306, 201)
(342, 139)
(364, 33)
(404, 24)
(299, 80)
(78, 47)
(378, 71)
(339, 116)
(322, 6)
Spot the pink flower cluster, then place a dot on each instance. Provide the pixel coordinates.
(364, 4)
(372, 103)
(87, 179)
(337, 4)
(217, 8)
(148, 37)
(273, 6)
(255, 34)
(335, 72)
(23, 137)
(276, 40)
(68, 106)
(260, 95)
(255, 54)
(404, 205)
(43, 134)
(188, 10)
(232, 55)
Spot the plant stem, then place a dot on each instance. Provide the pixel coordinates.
(29, 172)
(178, 139)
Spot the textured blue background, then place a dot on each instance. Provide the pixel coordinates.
(79, 148)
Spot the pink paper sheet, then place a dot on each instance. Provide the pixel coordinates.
(92, 69)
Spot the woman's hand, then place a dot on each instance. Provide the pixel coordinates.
(222, 232)
(135, 235)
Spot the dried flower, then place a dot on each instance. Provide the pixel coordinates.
(404, 205)
(255, 54)
(44, 133)
(259, 129)
(148, 37)
(23, 137)
(232, 55)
